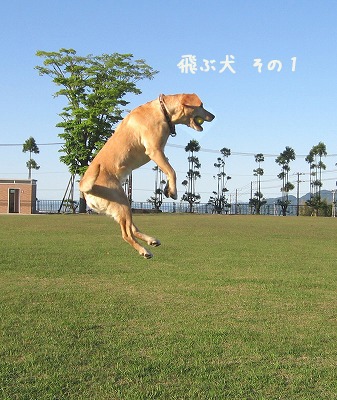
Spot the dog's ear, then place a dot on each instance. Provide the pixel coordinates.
(191, 100)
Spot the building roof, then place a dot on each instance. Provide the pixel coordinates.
(19, 181)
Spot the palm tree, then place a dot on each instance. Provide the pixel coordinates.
(310, 160)
(316, 164)
(192, 174)
(320, 151)
(257, 201)
(219, 201)
(259, 158)
(157, 199)
(31, 146)
(284, 160)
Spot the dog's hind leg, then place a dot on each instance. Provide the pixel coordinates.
(128, 235)
(146, 238)
(112, 201)
(89, 178)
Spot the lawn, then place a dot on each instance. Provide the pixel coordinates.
(230, 307)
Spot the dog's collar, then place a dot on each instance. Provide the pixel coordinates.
(167, 116)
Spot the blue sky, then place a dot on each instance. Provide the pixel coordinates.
(255, 112)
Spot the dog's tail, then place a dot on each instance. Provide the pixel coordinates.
(89, 178)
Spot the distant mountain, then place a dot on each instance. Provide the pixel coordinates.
(325, 194)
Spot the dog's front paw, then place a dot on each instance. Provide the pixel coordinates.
(168, 192)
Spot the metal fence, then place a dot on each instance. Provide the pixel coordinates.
(205, 208)
(48, 206)
(54, 206)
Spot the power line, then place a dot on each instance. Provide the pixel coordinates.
(21, 144)
(237, 153)
(233, 153)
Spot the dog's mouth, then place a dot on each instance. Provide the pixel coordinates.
(196, 123)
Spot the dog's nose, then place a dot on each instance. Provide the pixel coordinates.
(209, 117)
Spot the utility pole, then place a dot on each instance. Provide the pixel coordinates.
(251, 196)
(236, 201)
(298, 192)
(333, 210)
(127, 186)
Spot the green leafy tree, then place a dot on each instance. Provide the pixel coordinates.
(284, 160)
(94, 87)
(193, 174)
(31, 147)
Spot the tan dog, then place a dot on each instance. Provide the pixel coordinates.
(139, 138)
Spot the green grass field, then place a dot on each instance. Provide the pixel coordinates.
(230, 307)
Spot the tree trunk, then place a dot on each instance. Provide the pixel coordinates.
(83, 204)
